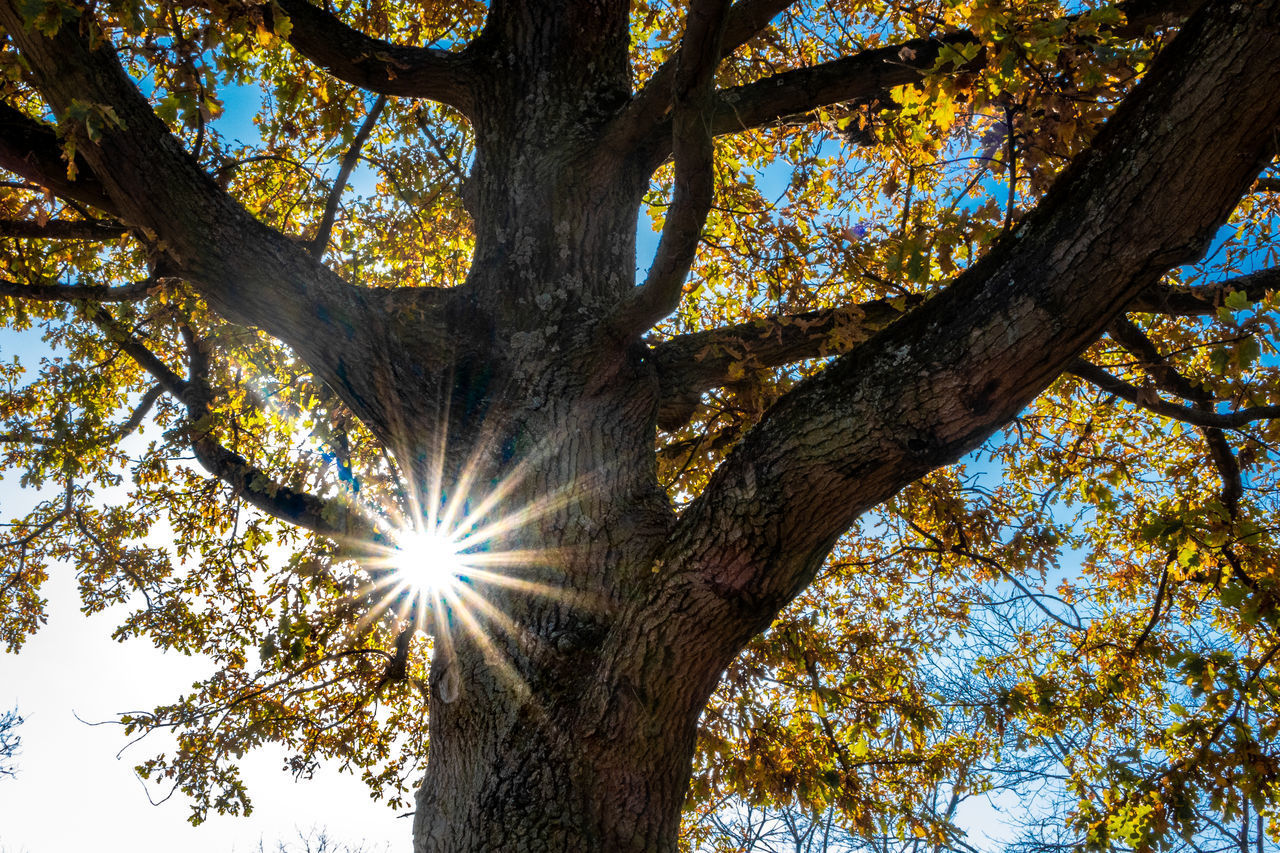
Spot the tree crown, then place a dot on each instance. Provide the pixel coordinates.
(362, 264)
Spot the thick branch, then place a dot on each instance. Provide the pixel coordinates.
(377, 65)
(872, 72)
(690, 364)
(247, 272)
(849, 78)
(1112, 384)
(694, 154)
(33, 151)
(1267, 185)
(1163, 174)
(745, 19)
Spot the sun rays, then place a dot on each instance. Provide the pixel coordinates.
(449, 565)
(428, 561)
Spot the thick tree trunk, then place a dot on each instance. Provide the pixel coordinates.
(543, 749)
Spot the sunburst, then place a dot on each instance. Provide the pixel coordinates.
(428, 561)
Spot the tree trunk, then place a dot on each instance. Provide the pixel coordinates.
(545, 747)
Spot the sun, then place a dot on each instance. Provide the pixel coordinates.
(427, 561)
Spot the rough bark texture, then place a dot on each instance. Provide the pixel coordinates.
(574, 730)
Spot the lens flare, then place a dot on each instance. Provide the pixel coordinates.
(428, 561)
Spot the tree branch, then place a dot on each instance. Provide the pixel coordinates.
(935, 384)
(744, 20)
(870, 73)
(131, 423)
(1205, 298)
(51, 292)
(61, 229)
(694, 153)
(1267, 185)
(1112, 384)
(246, 271)
(849, 78)
(690, 364)
(321, 240)
(374, 64)
(326, 517)
(1134, 341)
(1167, 378)
(32, 150)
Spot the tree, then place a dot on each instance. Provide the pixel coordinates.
(624, 483)
(9, 742)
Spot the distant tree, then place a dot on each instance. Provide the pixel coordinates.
(9, 742)
(316, 840)
(427, 448)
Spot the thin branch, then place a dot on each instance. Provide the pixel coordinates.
(61, 229)
(1031, 595)
(349, 159)
(374, 64)
(252, 484)
(1155, 612)
(52, 292)
(1112, 384)
(694, 153)
(1167, 378)
(131, 423)
(1205, 298)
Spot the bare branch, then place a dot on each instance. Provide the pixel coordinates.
(690, 364)
(377, 65)
(1113, 384)
(61, 229)
(321, 240)
(694, 154)
(1206, 298)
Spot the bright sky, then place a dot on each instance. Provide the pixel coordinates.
(73, 793)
